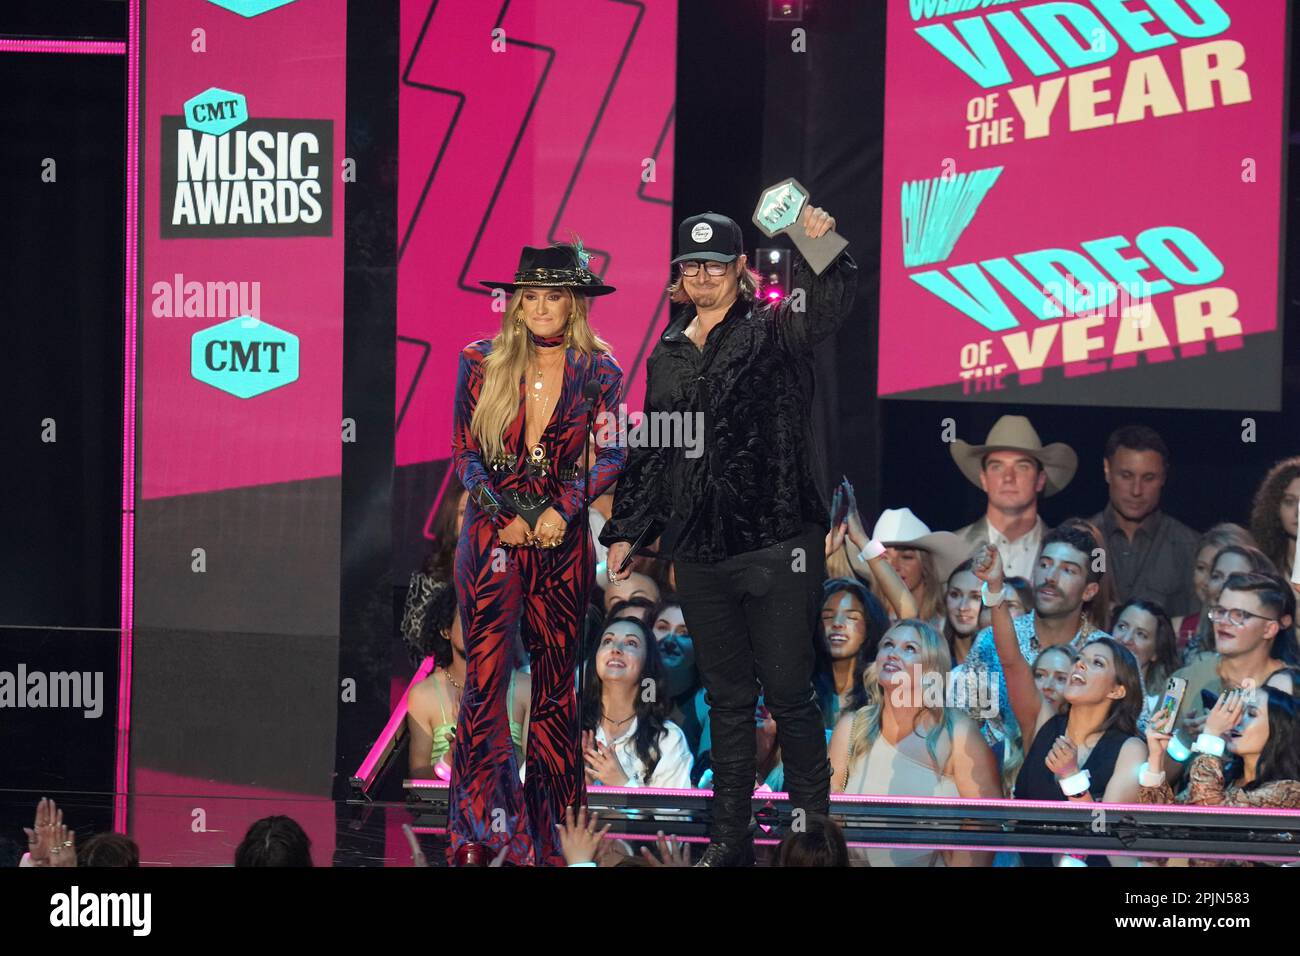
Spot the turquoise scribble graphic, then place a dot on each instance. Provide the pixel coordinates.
(937, 211)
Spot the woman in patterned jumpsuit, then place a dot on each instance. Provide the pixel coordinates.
(519, 439)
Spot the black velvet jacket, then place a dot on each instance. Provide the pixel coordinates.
(753, 486)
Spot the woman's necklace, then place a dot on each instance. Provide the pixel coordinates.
(543, 401)
(615, 723)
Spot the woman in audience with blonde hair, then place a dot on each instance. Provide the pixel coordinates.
(906, 740)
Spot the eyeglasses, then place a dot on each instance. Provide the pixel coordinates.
(712, 268)
(1234, 616)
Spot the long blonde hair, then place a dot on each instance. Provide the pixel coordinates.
(933, 604)
(866, 722)
(505, 364)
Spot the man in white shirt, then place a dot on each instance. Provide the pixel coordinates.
(1013, 467)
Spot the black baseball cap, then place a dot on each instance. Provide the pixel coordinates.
(709, 237)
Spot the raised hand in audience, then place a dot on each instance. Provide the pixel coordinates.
(579, 838)
(671, 852)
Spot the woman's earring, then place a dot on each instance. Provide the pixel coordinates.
(519, 325)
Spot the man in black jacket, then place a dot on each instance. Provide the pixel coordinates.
(745, 519)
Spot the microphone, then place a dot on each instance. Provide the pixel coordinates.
(590, 392)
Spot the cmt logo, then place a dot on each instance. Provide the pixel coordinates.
(244, 357)
(215, 111)
(250, 8)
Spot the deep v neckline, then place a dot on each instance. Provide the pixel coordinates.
(559, 400)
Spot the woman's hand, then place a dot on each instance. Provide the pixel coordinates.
(516, 534)
(602, 763)
(671, 852)
(579, 839)
(1063, 758)
(1226, 713)
(835, 538)
(64, 851)
(857, 532)
(40, 839)
(987, 566)
(1159, 733)
(550, 529)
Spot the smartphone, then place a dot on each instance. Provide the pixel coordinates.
(1172, 700)
(1295, 568)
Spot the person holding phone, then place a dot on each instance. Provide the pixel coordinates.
(1255, 645)
(1248, 755)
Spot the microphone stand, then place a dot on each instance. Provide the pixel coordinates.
(591, 392)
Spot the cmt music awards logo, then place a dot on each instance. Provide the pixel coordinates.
(226, 174)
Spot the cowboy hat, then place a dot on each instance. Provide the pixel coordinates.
(1015, 433)
(554, 267)
(899, 528)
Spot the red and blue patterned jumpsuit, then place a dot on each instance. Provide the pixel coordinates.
(540, 591)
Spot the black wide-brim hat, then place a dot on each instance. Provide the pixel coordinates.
(561, 266)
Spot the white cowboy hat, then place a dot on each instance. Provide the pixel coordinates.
(1015, 433)
(899, 528)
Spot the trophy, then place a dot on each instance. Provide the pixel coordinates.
(778, 212)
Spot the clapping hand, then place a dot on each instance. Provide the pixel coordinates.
(857, 531)
(47, 835)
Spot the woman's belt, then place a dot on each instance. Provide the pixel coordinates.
(537, 465)
(529, 505)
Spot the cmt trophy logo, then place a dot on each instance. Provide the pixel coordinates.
(244, 357)
(226, 174)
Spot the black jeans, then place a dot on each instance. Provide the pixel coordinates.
(752, 617)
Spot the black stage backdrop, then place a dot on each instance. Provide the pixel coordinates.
(60, 501)
(754, 110)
